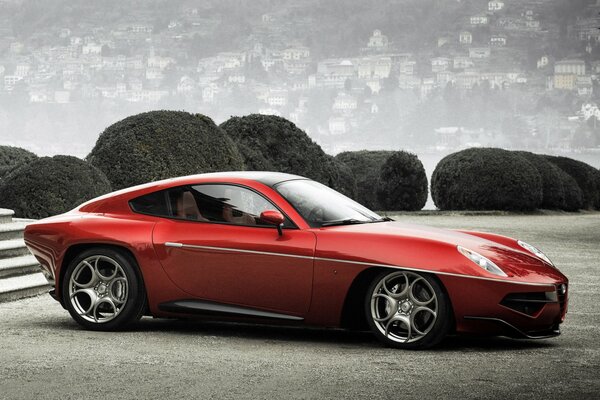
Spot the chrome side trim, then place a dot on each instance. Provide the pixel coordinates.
(268, 253)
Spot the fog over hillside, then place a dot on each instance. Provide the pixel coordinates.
(428, 76)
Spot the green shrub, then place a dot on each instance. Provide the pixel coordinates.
(486, 179)
(162, 144)
(51, 185)
(366, 168)
(344, 180)
(553, 191)
(11, 157)
(573, 193)
(402, 183)
(598, 189)
(586, 177)
(271, 143)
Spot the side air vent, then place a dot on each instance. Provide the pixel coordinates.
(529, 303)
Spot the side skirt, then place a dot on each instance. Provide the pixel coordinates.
(212, 308)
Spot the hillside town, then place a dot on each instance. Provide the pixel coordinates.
(502, 75)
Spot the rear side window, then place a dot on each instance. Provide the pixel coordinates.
(153, 204)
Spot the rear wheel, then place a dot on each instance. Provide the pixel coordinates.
(408, 310)
(102, 289)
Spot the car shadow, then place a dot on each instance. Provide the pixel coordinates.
(302, 334)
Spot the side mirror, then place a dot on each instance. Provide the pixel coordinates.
(273, 217)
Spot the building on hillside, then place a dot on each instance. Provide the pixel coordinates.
(479, 52)
(378, 67)
(337, 125)
(584, 85)
(277, 97)
(543, 62)
(570, 66)
(442, 41)
(462, 62)
(296, 53)
(465, 37)
(565, 81)
(378, 41)
(479, 19)
(498, 40)
(345, 103)
(439, 64)
(495, 5)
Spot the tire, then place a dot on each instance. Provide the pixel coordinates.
(103, 290)
(408, 310)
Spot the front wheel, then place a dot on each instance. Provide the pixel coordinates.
(408, 310)
(102, 289)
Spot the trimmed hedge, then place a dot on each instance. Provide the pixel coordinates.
(573, 193)
(366, 168)
(586, 177)
(51, 185)
(11, 157)
(553, 190)
(344, 179)
(162, 144)
(486, 179)
(598, 189)
(271, 143)
(402, 183)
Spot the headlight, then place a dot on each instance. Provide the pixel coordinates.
(535, 251)
(481, 261)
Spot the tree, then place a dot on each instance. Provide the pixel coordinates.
(51, 185)
(271, 143)
(162, 144)
(402, 183)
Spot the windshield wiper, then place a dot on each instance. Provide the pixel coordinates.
(349, 221)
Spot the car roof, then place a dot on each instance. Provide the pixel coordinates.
(267, 178)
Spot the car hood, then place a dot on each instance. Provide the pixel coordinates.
(439, 245)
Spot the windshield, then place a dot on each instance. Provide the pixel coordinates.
(322, 206)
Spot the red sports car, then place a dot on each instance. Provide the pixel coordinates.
(273, 247)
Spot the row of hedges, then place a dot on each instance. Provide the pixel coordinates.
(162, 144)
(496, 179)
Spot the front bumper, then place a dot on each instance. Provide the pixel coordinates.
(505, 308)
(506, 329)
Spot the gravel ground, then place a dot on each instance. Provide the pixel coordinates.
(44, 354)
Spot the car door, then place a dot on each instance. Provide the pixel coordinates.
(216, 248)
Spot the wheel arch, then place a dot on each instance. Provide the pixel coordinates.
(350, 319)
(75, 249)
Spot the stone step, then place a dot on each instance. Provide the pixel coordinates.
(19, 287)
(6, 215)
(13, 248)
(16, 266)
(12, 230)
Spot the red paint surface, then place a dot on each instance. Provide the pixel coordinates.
(307, 272)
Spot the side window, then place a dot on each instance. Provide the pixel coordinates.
(209, 203)
(231, 204)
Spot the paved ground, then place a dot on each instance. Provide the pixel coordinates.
(43, 354)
